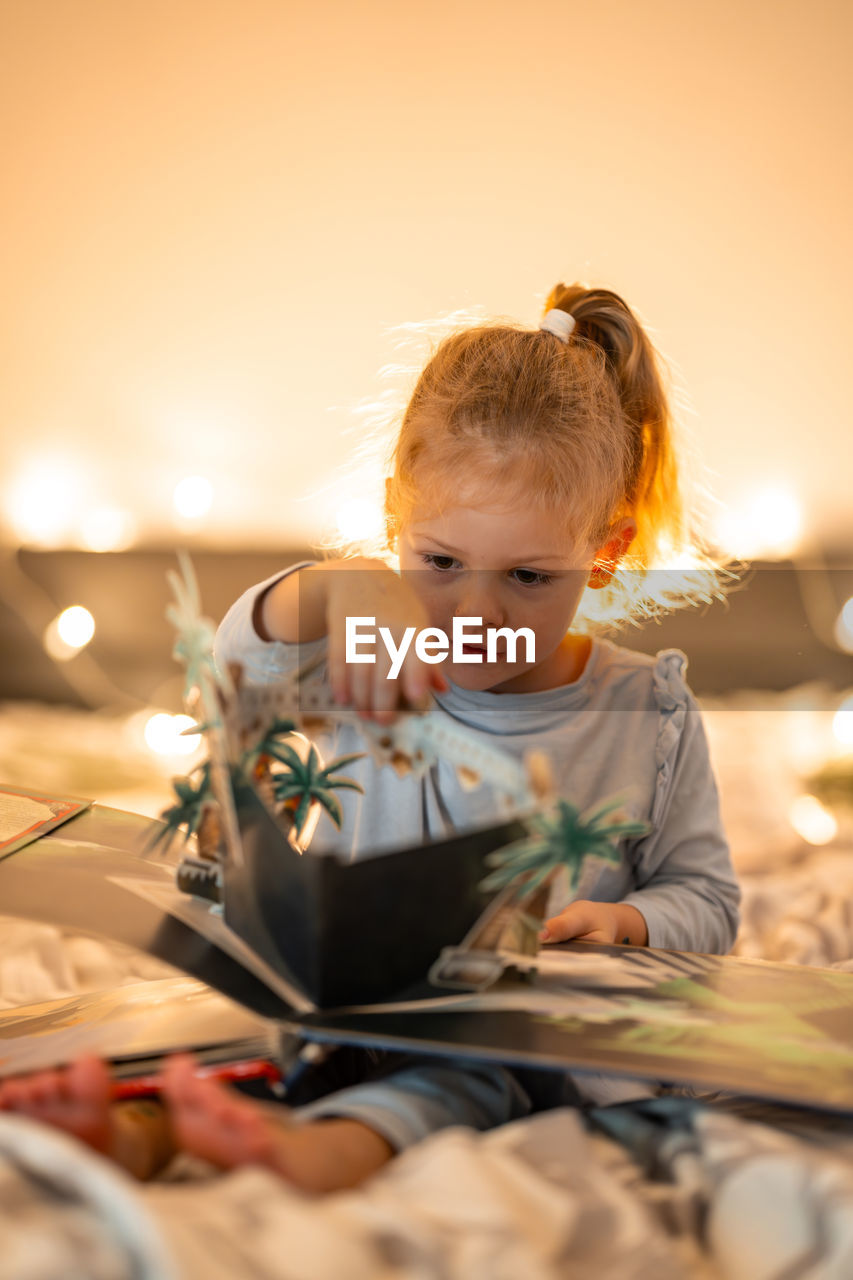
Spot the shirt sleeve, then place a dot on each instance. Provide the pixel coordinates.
(423, 1096)
(263, 661)
(687, 890)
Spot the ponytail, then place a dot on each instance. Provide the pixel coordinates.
(652, 486)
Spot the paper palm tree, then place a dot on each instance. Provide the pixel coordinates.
(303, 783)
(298, 786)
(256, 760)
(564, 840)
(189, 809)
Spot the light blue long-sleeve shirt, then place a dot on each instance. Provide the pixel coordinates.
(627, 727)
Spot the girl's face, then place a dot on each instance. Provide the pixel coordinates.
(511, 565)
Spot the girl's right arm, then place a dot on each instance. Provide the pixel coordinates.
(316, 602)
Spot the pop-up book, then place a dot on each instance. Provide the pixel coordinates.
(432, 949)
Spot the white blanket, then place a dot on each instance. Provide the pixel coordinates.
(540, 1199)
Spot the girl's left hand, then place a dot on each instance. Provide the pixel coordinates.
(597, 922)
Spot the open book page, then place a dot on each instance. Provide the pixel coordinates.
(26, 814)
(198, 915)
(567, 982)
(140, 1020)
(751, 1027)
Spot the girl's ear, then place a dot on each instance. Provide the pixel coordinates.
(619, 539)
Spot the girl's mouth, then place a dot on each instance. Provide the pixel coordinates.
(472, 649)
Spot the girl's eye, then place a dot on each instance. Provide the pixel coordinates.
(531, 577)
(441, 563)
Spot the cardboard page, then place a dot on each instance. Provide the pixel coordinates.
(137, 1021)
(353, 932)
(26, 814)
(774, 1031)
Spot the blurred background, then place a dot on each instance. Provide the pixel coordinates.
(230, 229)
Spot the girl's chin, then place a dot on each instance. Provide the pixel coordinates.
(478, 675)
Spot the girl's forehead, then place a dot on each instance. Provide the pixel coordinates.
(495, 530)
(477, 488)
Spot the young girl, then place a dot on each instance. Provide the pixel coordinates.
(531, 466)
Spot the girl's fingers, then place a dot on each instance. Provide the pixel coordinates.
(579, 920)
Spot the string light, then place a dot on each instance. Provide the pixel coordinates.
(107, 529)
(43, 499)
(769, 525)
(359, 519)
(193, 497)
(76, 626)
(812, 821)
(164, 735)
(68, 633)
(842, 723)
(844, 627)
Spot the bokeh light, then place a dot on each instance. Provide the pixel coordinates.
(842, 723)
(768, 526)
(844, 627)
(811, 820)
(359, 519)
(193, 497)
(68, 633)
(42, 500)
(107, 529)
(76, 626)
(164, 734)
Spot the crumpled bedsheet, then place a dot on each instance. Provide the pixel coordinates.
(43, 962)
(731, 1199)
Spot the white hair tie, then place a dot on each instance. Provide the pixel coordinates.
(560, 323)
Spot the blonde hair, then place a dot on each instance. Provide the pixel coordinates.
(585, 425)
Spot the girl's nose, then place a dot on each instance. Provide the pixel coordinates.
(478, 599)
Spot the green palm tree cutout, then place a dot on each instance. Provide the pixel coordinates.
(255, 762)
(189, 810)
(303, 782)
(297, 786)
(565, 840)
(267, 745)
